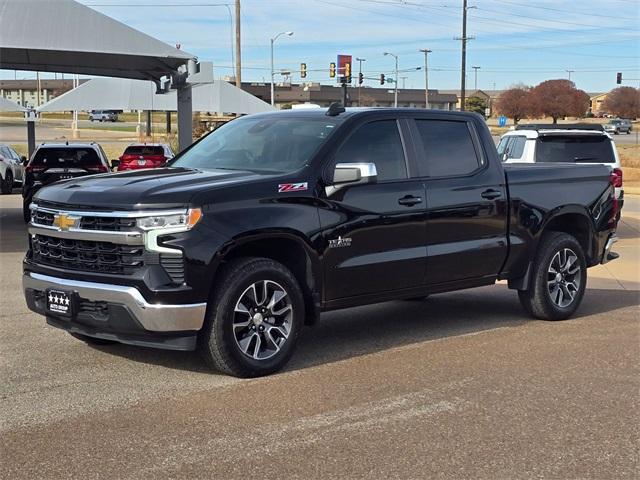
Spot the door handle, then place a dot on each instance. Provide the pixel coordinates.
(491, 194)
(409, 200)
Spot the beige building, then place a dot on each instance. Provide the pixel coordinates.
(25, 92)
(489, 96)
(595, 102)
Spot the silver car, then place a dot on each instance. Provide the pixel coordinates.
(11, 168)
(618, 126)
(103, 116)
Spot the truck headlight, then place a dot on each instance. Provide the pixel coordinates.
(184, 221)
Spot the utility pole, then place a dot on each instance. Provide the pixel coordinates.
(238, 47)
(38, 77)
(475, 76)
(569, 72)
(426, 52)
(395, 92)
(359, 60)
(464, 39)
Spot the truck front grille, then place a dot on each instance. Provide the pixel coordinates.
(111, 224)
(102, 257)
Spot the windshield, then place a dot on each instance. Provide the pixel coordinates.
(583, 148)
(260, 144)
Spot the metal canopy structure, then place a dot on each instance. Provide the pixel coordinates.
(9, 106)
(66, 36)
(126, 94)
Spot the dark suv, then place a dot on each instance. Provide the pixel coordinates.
(60, 161)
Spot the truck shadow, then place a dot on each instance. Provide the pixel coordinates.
(13, 230)
(360, 331)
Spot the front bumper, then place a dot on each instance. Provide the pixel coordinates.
(116, 312)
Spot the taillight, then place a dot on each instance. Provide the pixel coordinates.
(616, 177)
(97, 168)
(34, 168)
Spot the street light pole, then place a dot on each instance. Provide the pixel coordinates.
(238, 48)
(359, 60)
(395, 92)
(273, 40)
(475, 77)
(426, 52)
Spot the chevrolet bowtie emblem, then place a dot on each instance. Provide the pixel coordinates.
(64, 221)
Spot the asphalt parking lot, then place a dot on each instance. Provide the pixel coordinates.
(463, 385)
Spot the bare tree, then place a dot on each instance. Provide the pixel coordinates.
(623, 102)
(515, 103)
(558, 99)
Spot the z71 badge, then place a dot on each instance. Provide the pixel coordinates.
(292, 187)
(339, 242)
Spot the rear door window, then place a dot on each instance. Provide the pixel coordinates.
(574, 149)
(66, 157)
(448, 149)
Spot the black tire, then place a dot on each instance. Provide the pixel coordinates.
(547, 293)
(7, 184)
(218, 342)
(92, 340)
(26, 213)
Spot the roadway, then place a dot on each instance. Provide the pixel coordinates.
(463, 385)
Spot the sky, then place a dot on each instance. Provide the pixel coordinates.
(515, 41)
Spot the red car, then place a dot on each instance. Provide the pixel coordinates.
(144, 155)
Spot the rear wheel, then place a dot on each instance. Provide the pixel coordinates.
(254, 318)
(7, 184)
(559, 278)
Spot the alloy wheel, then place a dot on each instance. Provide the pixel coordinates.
(262, 319)
(563, 277)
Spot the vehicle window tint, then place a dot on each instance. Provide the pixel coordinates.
(448, 148)
(572, 149)
(379, 143)
(516, 148)
(144, 150)
(65, 157)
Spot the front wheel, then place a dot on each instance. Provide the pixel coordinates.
(559, 278)
(254, 318)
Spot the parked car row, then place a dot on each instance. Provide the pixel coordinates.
(52, 162)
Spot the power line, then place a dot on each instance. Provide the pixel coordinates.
(551, 9)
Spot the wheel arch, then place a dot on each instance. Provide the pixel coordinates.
(288, 248)
(570, 219)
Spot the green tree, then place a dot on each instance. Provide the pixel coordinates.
(476, 105)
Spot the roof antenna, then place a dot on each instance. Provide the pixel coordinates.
(335, 109)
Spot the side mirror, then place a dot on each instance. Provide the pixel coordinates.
(115, 163)
(504, 157)
(352, 174)
(23, 159)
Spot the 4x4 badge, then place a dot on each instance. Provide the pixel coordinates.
(292, 187)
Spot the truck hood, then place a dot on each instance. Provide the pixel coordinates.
(139, 189)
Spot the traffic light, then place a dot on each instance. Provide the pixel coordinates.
(332, 69)
(360, 78)
(303, 70)
(619, 78)
(382, 79)
(347, 72)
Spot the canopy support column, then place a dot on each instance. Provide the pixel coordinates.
(168, 114)
(185, 116)
(149, 119)
(31, 137)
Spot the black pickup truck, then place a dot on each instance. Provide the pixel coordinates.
(272, 219)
